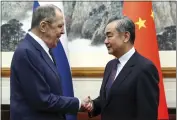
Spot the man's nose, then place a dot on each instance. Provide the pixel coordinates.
(62, 30)
(106, 41)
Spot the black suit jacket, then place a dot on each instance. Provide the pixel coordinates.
(134, 95)
(35, 85)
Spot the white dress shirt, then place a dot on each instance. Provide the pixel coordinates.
(123, 60)
(42, 43)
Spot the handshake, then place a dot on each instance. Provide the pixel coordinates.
(87, 104)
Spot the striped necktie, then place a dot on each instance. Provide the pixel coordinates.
(112, 76)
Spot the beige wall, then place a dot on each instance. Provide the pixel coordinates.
(91, 86)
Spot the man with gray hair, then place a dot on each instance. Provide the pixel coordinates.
(129, 89)
(36, 92)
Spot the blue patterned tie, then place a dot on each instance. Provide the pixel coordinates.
(112, 76)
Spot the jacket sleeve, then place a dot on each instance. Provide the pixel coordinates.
(30, 76)
(148, 93)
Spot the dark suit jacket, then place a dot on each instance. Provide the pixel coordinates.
(36, 92)
(134, 95)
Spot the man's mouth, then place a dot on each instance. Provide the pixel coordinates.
(58, 36)
(108, 47)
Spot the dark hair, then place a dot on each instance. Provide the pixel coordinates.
(46, 13)
(125, 24)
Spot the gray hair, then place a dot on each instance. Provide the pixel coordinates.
(124, 24)
(46, 13)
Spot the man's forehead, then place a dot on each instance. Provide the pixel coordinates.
(59, 17)
(60, 21)
(58, 13)
(110, 27)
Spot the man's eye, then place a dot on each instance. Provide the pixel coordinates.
(60, 26)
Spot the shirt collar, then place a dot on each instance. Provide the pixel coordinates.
(40, 41)
(123, 59)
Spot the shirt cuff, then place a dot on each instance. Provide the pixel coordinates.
(79, 104)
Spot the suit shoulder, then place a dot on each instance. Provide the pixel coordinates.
(144, 63)
(24, 47)
(22, 51)
(109, 62)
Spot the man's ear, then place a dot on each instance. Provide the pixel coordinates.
(42, 26)
(127, 37)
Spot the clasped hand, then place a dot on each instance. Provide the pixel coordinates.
(87, 104)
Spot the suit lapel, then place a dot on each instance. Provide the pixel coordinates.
(122, 75)
(44, 54)
(49, 62)
(126, 70)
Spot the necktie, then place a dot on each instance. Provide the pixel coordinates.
(112, 76)
(51, 53)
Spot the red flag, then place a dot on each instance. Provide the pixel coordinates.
(146, 42)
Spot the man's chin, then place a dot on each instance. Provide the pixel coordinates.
(110, 52)
(54, 45)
